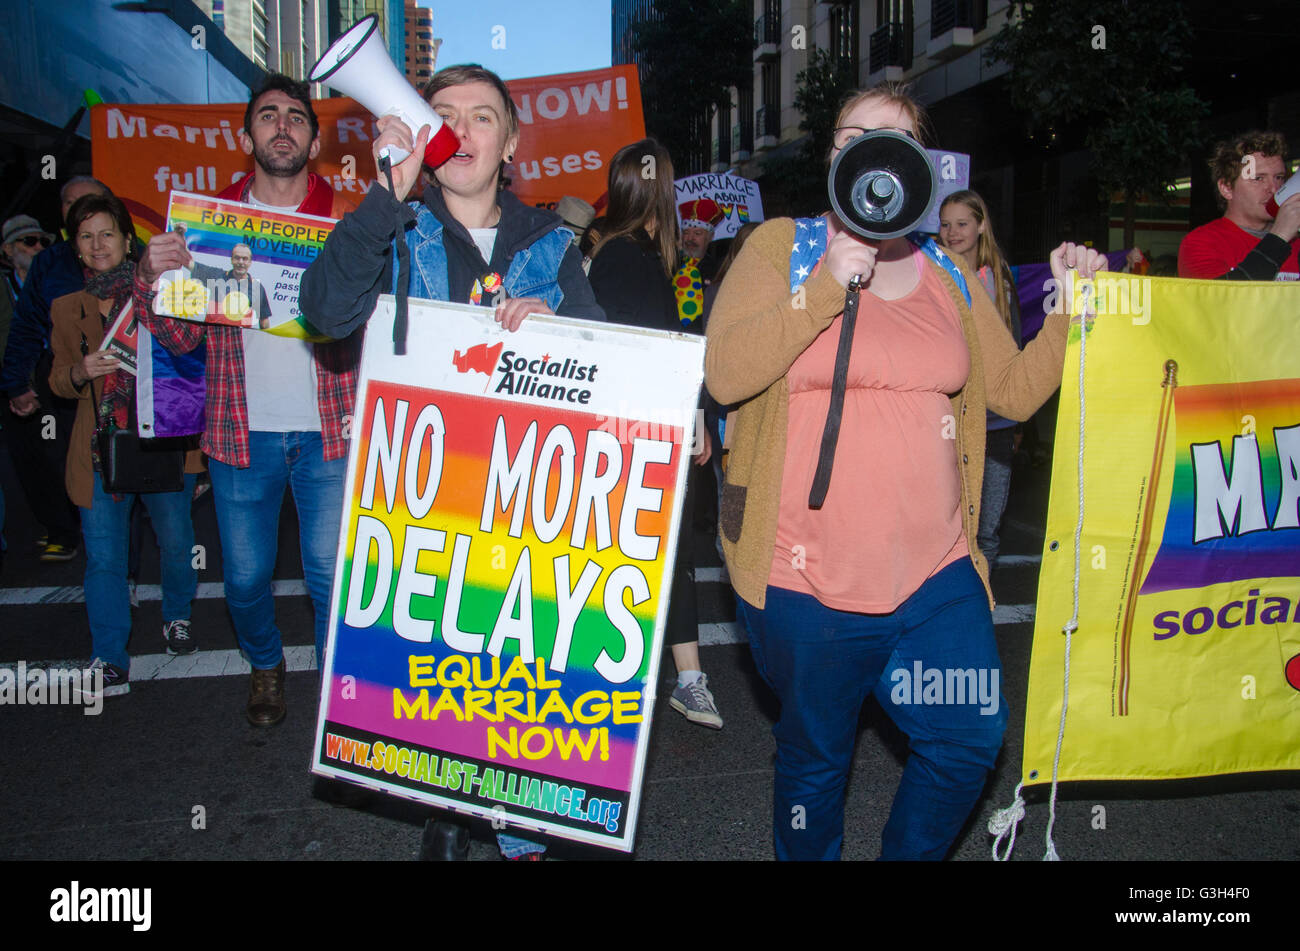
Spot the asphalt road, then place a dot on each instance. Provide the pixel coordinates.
(174, 771)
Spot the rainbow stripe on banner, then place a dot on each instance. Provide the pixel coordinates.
(1186, 657)
(1233, 508)
(502, 581)
(283, 245)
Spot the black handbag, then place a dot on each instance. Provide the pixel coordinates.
(130, 465)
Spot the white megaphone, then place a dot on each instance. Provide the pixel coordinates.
(1291, 187)
(357, 65)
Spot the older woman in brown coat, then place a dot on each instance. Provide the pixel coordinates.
(101, 228)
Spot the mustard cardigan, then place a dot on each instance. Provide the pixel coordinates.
(757, 329)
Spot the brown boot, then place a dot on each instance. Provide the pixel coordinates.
(266, 696)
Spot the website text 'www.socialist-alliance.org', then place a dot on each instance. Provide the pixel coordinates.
(493, 785)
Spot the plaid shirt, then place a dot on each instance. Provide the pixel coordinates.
(225, 429)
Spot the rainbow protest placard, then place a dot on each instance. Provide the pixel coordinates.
(504, 566)
(264, 296)
(1186, 661)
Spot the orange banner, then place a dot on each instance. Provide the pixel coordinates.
(571, 125)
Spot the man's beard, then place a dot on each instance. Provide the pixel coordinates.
(281, 166)
(22, 259)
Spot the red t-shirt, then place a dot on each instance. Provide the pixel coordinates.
(1214, 249)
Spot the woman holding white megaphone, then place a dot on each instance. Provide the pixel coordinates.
(464, 233)
(462, 238)
(864, 578)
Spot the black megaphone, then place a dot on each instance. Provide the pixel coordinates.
(882, 184)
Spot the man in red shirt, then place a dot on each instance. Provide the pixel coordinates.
(1247, 243)
(278, 409)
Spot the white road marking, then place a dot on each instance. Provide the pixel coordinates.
(73, 594)
(231, 663)
(222, 663)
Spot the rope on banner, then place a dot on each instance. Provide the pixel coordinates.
(1004, 821)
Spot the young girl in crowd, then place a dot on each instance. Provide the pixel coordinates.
(965, 230)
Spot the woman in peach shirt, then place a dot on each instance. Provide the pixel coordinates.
(878, 587)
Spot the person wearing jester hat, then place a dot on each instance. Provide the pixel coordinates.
(699, 217)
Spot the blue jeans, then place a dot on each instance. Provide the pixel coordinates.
(248, 514)
(106, 530)
(998, 452)
(822, 664)
(512, 847)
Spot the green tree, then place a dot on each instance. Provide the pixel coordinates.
(691, 55)
(797, 184)
(822, 86)
(1115, 66)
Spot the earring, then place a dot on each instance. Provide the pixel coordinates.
(510, 157)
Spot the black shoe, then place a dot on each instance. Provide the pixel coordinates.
(338, 793)
(444, 842)
(55, 552)
(178, 637)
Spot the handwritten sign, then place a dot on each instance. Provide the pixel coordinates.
(738, 198)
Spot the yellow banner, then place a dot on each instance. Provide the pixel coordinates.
(1186, 661)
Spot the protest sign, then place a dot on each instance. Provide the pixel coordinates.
(570, 126)
(505, 558)
(247, 264)
(123, 339)
(1186, 661)
(737, 198)
(952, 174)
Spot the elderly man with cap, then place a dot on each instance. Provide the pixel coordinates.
(32, 413)
(699, 217)
(23, 239)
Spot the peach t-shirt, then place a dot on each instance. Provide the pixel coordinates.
(892, 515)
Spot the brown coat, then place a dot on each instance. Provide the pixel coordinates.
(72, 316)
(757, 329)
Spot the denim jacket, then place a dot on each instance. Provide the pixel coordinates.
(533, 251)
(533, 272)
